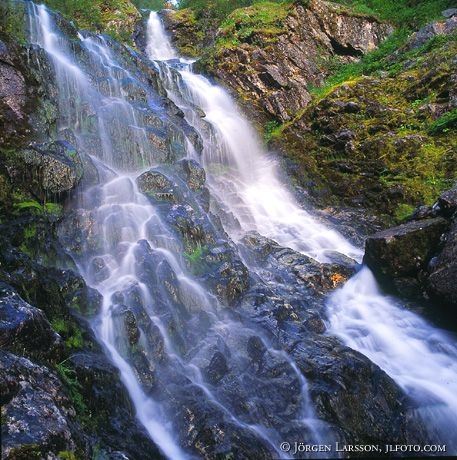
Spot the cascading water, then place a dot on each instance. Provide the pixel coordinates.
(171, 339)
(421, 358)
(158, 325)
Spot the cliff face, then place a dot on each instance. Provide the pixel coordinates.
(386, 141)
(383, 141)
(271, 59)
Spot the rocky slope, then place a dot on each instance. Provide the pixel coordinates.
(58, 387)
(384, 142)
(268, 57)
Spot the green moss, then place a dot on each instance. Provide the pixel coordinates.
(195, 259)
(67, 455)
(400, 154)
(261, 21)
(69, 378)
(69, 331)
(113, 17)
(13, 20)
(412, 13)
(21, 204)
(444, 123)
(26, 452)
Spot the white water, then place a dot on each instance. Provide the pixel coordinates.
(419, 357)
(249, 196)
(125, 229)
(240, 174)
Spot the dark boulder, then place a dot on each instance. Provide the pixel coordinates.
(194, 174)
(401, 254)
(47, 170)
(443, 270)
(447, 203)
(157, 186)
(24, 329)
(37, 414)
(216, 369)
(117, 426)
(352, 393)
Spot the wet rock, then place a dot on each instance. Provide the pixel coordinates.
(48, 169)
(119, 431)
(217, 368)
(157, 186)
(24, 329)
(351, 392)
(256, 349)
(37, 415)
(404, 250)
(195, 175)
(443, 271)
(207, 429)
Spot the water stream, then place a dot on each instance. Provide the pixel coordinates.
(159, 326)
(420, 357)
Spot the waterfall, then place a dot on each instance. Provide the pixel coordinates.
(158, 325)
(171, 339)
(419, 357)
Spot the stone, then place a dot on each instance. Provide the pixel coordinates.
(37, 414)
(275, 77)
(157, 186)
(48, 169)
(443, 273)
(351, 392)
(195, 175)
(216, 369)
(449, 12)
(447, 203)
(24, 329)
(404, 250)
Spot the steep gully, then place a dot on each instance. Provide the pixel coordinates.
(159, 325)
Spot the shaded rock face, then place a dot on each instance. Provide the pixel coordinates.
(47, 170)
(368, 142)
(13, 95)
(274, 76)
(24, 328)
(404, 250)
(443, 269)
(418, 258)
(432, 30)
(36, 412)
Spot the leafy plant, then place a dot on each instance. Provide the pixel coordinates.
(69, 378)
(444, 123)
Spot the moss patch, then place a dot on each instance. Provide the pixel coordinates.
(386, 141)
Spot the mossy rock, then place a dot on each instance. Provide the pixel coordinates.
(385, 142)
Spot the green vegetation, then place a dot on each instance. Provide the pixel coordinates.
(242, 25)
(444, 123)
(403, 139)
(68, 376)
(195, 259)
(401, 13)
(67, 455)
(113, 17)
(154, 5)
(69, 331)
